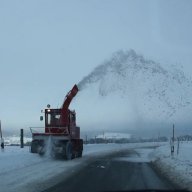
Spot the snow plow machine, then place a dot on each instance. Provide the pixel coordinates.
(61, 136)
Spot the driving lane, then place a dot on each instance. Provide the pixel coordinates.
(114, 172)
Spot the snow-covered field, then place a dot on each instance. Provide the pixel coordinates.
(178, 167)
(23, 171)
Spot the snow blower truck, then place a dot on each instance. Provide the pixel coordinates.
(61, 136)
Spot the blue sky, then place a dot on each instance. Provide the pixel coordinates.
(48, 46)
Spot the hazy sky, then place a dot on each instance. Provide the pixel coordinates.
(47, 46)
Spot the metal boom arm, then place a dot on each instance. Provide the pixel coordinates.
(69, 97)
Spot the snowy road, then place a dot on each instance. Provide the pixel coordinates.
(118, 172)
(22, 171)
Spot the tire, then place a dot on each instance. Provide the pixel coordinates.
(80, 154)
(34, 146)
(41, 150)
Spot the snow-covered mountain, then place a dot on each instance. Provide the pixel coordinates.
(149, 90)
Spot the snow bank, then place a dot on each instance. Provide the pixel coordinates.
(23, 171)
(178, 167)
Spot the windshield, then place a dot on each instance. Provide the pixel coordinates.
(53, 119)
(119, 72)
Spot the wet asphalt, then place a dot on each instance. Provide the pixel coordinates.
(115, 173)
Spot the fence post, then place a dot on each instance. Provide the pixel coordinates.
(178, 141)
(21, 139)
(2, 140)
(173, 138)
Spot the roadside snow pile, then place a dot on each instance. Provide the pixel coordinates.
(178, 167)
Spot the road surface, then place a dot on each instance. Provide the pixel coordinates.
(114, 173)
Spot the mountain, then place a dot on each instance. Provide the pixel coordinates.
(140, 88)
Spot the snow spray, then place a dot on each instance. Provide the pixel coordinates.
(115, 63)
(48, 147)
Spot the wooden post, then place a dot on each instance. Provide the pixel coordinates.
(178, 141)
(21, 139)
(173, 138)
(2, 140)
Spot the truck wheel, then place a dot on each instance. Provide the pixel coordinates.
(34, 146)
(68, 151)
(73, 156)
(41, 150)
(80, 154)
